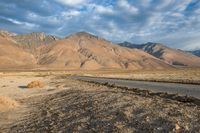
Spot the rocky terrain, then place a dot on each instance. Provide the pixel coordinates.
(67, 105)
(33, 40)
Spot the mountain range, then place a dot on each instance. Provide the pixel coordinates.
(171, 56)
(195, 52)
(86, 51)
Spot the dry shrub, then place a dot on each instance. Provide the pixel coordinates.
(35, 84)
(7, 103)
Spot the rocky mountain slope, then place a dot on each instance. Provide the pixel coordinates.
(86, 51)
(171, 56)
(12, 56)
(195, 52)
(34, 39)
(4, 33)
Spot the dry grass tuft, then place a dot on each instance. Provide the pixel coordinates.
(7, 103)
(35, 84)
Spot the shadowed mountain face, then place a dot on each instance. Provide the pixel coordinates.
(171, 56)
(195, 52)
(130, 45)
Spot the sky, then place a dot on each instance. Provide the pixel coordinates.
(175, 23)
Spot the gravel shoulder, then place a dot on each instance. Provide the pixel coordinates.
(68, 105)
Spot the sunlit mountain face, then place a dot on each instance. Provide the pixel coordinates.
(170, 22)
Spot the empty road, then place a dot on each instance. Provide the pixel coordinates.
(172, 88)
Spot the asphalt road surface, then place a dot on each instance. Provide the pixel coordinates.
(171, 88)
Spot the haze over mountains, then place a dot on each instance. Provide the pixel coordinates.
(85, 51)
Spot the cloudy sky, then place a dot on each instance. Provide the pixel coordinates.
(173, 22)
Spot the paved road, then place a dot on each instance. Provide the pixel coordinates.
(172, 88)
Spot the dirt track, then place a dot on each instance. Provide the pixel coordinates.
(75, 106)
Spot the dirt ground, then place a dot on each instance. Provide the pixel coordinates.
(67, 105)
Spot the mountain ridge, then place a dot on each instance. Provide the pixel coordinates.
(171, 56)
(90, 52)
(79, 50)
(195, 52)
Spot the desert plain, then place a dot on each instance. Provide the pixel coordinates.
(64, 104)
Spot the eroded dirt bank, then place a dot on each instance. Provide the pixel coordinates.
(67, 105)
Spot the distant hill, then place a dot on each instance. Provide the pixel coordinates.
(195, 52)
(171, 56)
(130, 45)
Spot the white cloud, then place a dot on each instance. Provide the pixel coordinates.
(71, 2)
(197, 11)
(45, 19)
(163, 4)
(127, 7)
(100, 9)
(71, 13)
(103, 9)
(181, 6)
(145, 3)
(176, 14)
(26, 24)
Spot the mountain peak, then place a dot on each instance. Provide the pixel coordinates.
(5, 33)
(129, 45)
(153, 43)
(37, 33)
(84, 34)
(34, 39)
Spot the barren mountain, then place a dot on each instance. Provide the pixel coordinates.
(130, 45)
(4, 33)
(11, 56)
(34, 39)
(86, 51)
(171, 56)
(195, 52)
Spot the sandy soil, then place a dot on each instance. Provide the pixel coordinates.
(66, 105)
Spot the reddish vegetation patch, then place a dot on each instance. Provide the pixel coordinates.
(35, 84)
